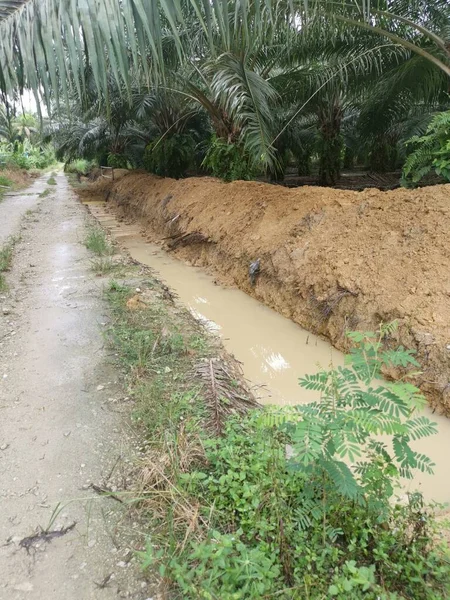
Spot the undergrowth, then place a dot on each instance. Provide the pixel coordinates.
(429, 152)
(229, 161)
(5, 184)
(104, 265)
(97, 242)
(51, 181)
(294, 503)
(5, 181)
(6, 254)
(79, 166)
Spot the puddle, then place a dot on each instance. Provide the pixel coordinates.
(273, 350)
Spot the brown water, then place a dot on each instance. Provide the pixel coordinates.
(273, 350)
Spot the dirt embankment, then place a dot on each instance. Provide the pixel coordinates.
(331, 260)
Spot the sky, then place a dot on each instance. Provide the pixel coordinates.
(29, 103)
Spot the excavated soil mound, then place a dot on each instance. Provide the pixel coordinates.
(331, 260)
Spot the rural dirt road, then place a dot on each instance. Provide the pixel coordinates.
(58, 432)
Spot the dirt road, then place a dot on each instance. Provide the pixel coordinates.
(57, 432)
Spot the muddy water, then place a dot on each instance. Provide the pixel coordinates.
(273, 350)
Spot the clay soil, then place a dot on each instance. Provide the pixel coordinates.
(330, 260)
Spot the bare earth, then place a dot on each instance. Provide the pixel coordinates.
(330, 260)
(58, 432)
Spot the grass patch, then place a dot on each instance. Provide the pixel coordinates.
(97, 242)
(51, 181)
(6, 255)
(46, 192)
(5, 181)
(104, 265)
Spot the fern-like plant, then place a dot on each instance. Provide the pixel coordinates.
(430, 151)
(355, 442)
(170, 156)
(229, 161)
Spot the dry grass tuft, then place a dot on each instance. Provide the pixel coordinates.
(157, 485)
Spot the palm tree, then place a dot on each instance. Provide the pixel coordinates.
(240, 65)
(125, 37)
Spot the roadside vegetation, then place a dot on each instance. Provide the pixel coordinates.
(104, 263)
(97, 242)
(5, 184)
(21, 142)
(240, 502)
(6, 255)
(245, 502)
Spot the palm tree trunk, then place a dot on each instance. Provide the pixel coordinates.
(330, 143)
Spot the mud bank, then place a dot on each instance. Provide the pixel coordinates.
(330, 260)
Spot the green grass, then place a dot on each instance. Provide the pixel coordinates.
(96, 242)
(45, 193)
(51, 181)
(6, 254)
(157, 347)
(80, 166)
(103, 265)
(4, 183)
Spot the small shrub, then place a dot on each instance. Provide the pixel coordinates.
(4, 181)
(117, 161)
(229, 161)
(26, 156)
(170, 156)
(429, 152)
(51, 181)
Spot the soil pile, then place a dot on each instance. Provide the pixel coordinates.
(331, 260)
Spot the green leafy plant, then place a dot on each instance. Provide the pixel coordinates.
(117, 161)
(51, 181)
(228, 161)
(430, 151)
(336, 439)
(226, 568)
(170, 155)
(300, 503)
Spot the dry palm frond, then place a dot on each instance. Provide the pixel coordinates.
(224, 390)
